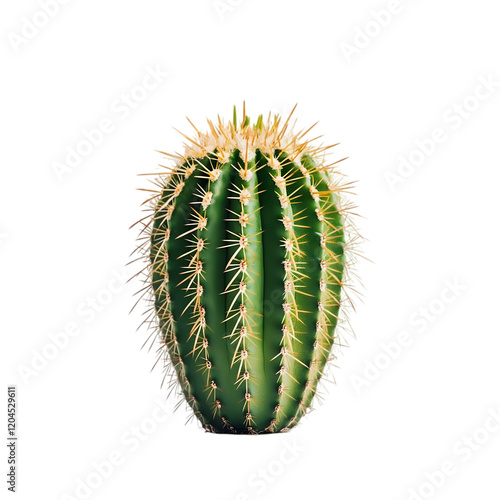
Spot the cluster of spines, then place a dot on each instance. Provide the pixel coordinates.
(207, 167)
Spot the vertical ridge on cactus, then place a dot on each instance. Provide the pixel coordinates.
(246, 246)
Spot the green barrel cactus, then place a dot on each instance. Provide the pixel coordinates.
(246, 268)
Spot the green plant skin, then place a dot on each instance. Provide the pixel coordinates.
(267, 389)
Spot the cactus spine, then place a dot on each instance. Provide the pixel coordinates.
(246, 251)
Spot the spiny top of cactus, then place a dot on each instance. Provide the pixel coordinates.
(266, 135)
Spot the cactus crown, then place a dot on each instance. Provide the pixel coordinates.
(246, 269)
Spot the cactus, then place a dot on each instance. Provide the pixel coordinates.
(246, 268)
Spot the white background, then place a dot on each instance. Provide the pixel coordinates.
(389, 424)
